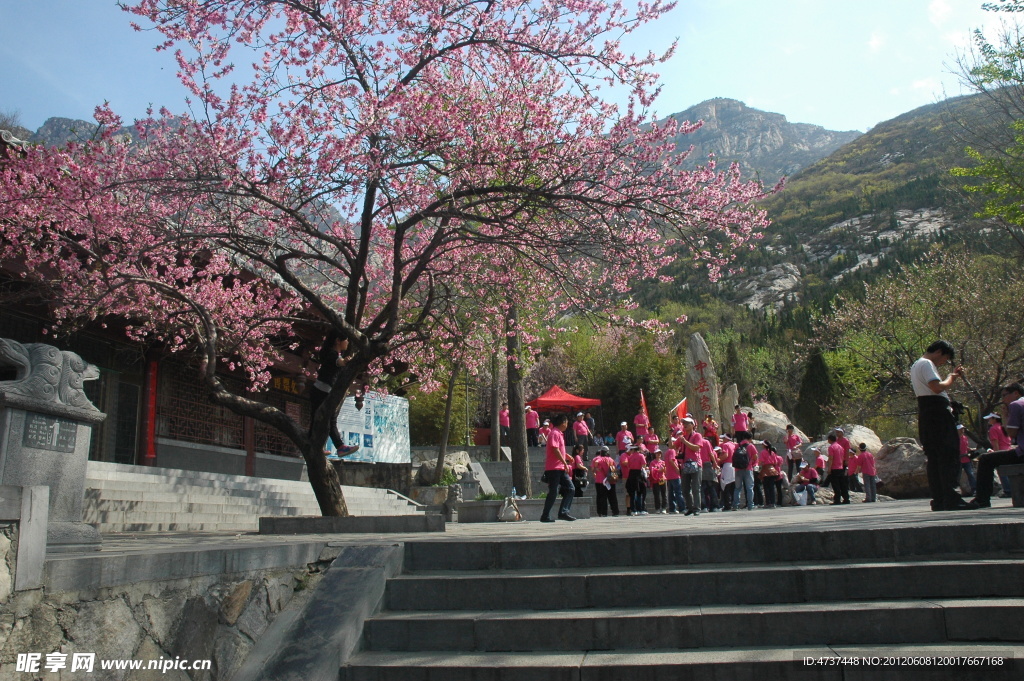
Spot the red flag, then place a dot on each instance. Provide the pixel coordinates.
(681, 409)
(643, 407)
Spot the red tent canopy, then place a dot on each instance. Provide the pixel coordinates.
(557, 399)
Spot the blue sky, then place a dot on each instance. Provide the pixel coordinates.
(844, 65)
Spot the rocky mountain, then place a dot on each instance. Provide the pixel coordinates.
(57, 131)
(881, 198)
(765, 144)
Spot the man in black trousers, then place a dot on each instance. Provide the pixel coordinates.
(936, 426)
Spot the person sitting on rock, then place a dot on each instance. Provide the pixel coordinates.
(807, 480)
(1013, 398)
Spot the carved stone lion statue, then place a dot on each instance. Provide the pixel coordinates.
(46, 373)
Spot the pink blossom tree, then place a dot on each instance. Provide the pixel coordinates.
(375, 163)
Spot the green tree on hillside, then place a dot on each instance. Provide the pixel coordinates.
(813, 411)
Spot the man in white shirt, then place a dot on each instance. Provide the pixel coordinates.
(937, 426)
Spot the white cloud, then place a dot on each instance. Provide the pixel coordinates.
(938, 12)
(927, 84)
(876, 42)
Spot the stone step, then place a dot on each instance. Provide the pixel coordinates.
(890, 662)
(186, 494)
(860, 622)
(182, 526)
(122, 498)
(192, 496)
(250, 484)
(688, 543)
(195, 504)
(695, 585)
(93, 515)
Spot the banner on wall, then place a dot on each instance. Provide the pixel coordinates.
(380, 428)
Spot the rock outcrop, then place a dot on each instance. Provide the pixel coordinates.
(901, 467)
(770, 424)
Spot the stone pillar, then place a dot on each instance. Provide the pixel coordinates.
(701, 380)
(730, 398)
(46, 424)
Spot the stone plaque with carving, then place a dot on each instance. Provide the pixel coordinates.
(50, 433)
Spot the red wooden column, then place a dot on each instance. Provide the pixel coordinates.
(150, 386)
(249, 438)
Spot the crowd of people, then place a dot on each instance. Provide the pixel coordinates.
(697, 469)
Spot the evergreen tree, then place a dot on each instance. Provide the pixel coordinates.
(817, 394)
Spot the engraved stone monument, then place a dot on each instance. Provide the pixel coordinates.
(701, 380)
(46, 424)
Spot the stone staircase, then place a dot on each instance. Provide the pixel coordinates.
(124, 498)
(500, 472)
(734, 605)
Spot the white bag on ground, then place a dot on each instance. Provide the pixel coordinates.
(800, 498)
(509, 511)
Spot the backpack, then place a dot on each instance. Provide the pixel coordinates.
(741, 458)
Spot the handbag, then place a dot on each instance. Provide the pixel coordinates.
(769, 472)
(544, 477)
(509, 511)
(690, 467)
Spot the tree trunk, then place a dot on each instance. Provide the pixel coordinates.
(326, 484)
(495, 407)
(442, 451)
(516, 408)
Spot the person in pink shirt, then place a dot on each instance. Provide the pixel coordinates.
(543, 432)
(1000, 442)
(532, 427)
(659, 483)
(673, 480)
(794, 455)
(866, 461)
(807, 480)
(556, 466)
(641, 423)
(651, 441)
(675, 429)
(503, 422)
(771, 478)
(852, 471)
(579, 470)
(691, 442)
(582, 431)
(624, 438)
(709, 477)
(603, 466)
(819, 463)
(624, 473)
(709, 429)
(836, 471)
(965, 458)
(740, 424)
(636, 483)
(743, 458)
(997, 436)
(728, 473)
(844, 441)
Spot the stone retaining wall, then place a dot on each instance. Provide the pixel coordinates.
(216, 617)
